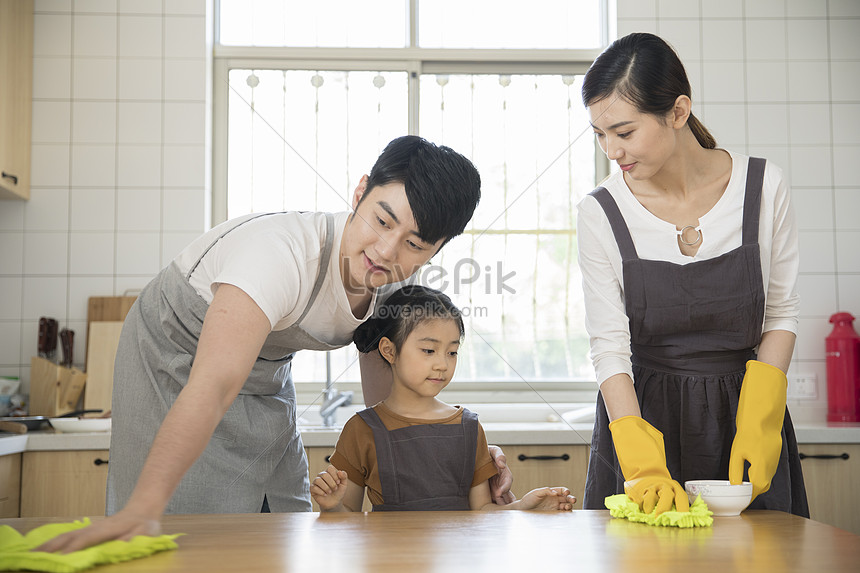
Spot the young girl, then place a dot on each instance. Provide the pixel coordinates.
(413, 451)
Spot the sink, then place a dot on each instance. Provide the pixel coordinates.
(535, 413)
(319, 428)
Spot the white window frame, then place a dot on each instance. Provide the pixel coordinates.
(415, 61)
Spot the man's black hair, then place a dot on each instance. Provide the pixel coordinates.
(442, 186)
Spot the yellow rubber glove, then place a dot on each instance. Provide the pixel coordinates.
(642, 457)
(758, 440)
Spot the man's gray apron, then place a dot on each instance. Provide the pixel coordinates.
(692, 329)
(428, 467)
(256, 450)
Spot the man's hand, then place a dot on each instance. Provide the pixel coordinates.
(500, 484)
(122, 526)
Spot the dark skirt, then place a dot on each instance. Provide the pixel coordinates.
(696, 415)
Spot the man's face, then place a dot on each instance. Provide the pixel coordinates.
(380, 244)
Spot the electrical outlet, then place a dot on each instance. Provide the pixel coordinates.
(802, 387)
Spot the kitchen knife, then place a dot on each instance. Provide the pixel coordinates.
(67, 344)
(51, 344)
(43, 338)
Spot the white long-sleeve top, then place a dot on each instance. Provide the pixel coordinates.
(655, 239)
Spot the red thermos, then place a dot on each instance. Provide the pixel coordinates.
(843, 370)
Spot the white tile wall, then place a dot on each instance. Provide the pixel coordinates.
(766, 82)
(107, 75)
(847, 201)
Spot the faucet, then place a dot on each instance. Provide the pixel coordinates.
(333, 399)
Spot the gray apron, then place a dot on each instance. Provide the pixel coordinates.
(256, 451)
(692, 329)
(428, 467)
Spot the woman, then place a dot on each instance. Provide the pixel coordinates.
(692, 309)
(202, 380)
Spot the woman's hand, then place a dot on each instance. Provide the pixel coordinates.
(547, 499)
(500, 484)
(329, 488)
(122, 526)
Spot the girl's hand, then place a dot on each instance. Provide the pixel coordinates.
(548, 499)
(329, 488)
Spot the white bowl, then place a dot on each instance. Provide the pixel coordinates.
(722, 497)
(81, 424)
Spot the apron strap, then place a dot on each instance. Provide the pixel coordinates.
(616, 221)
(221, 236)
(384, 456)
(325, 257)
(752, 200)
(470, 434)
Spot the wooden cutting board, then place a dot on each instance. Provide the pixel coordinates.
(109, 307)
(106, 308)
(102, 341)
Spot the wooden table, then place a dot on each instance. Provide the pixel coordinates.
(588, 541)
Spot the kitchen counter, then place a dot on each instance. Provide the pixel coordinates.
(513, 433)
(484, 541)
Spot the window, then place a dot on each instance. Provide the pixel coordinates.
(308, 94)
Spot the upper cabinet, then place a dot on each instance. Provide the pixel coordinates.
(16, 91)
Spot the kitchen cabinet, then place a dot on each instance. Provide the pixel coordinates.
(68, 483)
(317, 462)
(831, 483)
(536, 466)
(16, 91)
(10, 484)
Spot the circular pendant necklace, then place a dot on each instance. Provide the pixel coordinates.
(698, 235)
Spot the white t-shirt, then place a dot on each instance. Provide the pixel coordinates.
(600, 260)
(274, 259)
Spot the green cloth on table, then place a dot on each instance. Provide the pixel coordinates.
(623, 507)
(15, 554)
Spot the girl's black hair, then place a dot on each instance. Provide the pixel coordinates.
(401, 313)
(643, 69)
(442, 187)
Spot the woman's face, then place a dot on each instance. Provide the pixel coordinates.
(380, 244)
(638, 142)
(425, 362)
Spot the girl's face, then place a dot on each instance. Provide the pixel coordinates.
(380, 244)
(426, 360)
(639, 142)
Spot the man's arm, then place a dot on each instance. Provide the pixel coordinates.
(376, 377)
(234, 330)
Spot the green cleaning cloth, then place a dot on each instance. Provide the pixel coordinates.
(15, 554)
(623, 507)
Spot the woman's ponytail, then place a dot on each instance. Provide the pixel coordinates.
(703, 136)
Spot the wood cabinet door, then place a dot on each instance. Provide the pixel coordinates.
(64, 483)
(831, 481)
(550, 465)
(317, 462)
(10, 485)
(16, 89)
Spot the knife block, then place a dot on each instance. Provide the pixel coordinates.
(54, 389)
